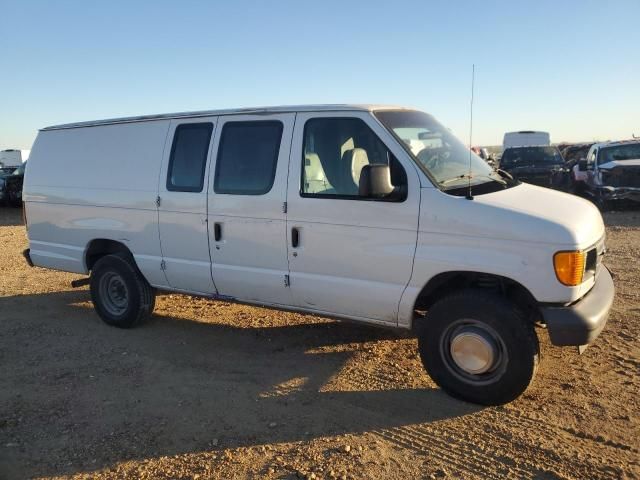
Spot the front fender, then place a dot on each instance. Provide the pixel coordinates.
(529, 264)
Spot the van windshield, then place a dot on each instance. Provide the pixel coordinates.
(445, 159)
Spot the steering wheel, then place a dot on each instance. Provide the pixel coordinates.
(433, 158)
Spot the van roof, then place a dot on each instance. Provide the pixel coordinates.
(526, 132)
(232, 111)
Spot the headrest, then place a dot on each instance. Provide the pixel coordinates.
(312, 167)
(357, 158)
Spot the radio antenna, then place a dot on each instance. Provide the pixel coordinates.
(473, 77)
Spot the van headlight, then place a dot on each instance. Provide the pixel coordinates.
(569, 267)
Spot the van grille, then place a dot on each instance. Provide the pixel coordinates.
(594, 258)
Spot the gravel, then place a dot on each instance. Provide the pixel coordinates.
(217, 390)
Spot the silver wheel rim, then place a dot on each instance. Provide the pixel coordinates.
(114, 293)
(473, 351)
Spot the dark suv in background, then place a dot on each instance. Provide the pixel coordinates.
(11, 181)
(539, 165)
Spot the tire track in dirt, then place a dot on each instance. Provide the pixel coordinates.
(502, 442)
(428, 440)
(480, 451)
(552, 432)
(532, 443)
(447, 449)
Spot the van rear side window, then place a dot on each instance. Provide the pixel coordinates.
(247, 157)
(188, 159)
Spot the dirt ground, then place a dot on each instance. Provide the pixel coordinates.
(215, 390)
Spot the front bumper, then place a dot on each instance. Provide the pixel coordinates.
(620, 193)
(582, 322)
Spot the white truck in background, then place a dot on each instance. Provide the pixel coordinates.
(526, 138)
(10, 158)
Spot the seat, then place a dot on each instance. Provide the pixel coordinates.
(314, 177)
(355, 160)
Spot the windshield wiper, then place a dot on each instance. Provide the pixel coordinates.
(469, 177)
(457, 177)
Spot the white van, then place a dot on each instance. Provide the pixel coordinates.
(332, 210)
(10, 158)
(526, 138)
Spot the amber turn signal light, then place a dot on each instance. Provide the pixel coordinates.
(569, 267)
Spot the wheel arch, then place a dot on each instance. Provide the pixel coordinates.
(445, 283)
(99, 247)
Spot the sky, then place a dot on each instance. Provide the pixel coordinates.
(568, 67)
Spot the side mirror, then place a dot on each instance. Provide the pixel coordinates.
(375, 181)
(582, 165)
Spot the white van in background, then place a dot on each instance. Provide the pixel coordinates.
(10, 158)
(526, 138)
(367, 213)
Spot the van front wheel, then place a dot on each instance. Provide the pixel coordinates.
(478, 347)
(120, 294)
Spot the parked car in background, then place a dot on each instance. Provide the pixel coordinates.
(611, 172)
(3, 194)
(484, 154)
(4, 173)
(573, 153)
(11, 186)
(539, 165)
(525, 138)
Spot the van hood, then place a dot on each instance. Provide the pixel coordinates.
(620, 163)
(524, 213)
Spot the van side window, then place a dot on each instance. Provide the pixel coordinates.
(188, 159)
(248, 157)
(335, 152)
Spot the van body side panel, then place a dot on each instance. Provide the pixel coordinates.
(250, 256)
(95, 183)
(354, 257)
(441, 253)
(493, 235)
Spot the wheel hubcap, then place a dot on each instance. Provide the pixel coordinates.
(114, 293)
(473, 351)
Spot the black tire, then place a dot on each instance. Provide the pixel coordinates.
(603, 204)
(120, 294)
(475, 314)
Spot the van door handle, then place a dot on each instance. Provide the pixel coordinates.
(295, 237)
(217, 231)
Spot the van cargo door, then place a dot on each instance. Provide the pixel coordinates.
(182, 205)
(247, 191)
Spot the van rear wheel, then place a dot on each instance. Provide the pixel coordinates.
(120, 294)
(478, 347)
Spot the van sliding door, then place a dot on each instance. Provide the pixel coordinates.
(246, 214)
